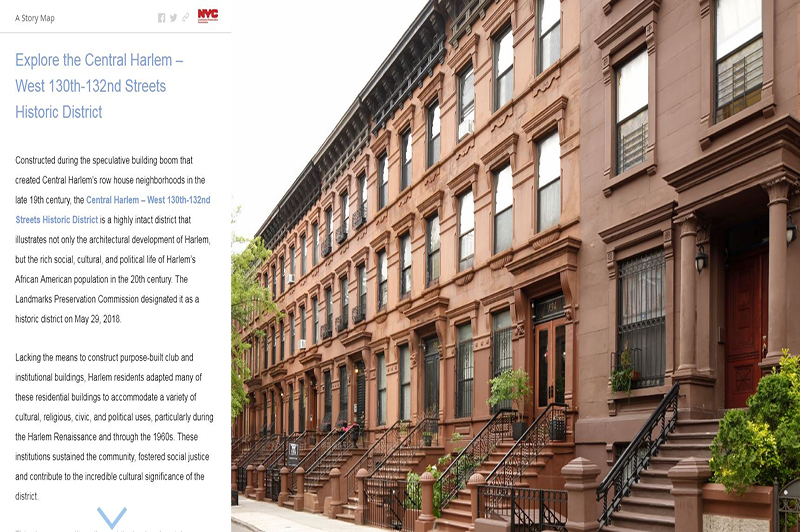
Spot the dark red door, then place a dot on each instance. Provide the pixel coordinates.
(746, 324)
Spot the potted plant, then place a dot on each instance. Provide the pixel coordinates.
(511, 386)
(427, 438)
(624, 375)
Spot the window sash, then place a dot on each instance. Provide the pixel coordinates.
(329, 306)
(434, 132)
(302, 323)
(315, 250)
(549, 33)
(405, 264)
(466, 97)
(383, 182)
(291, 334)
(381, 389)
(737, 23)
(632, 140)
(303, 255)
(739, 78)
(362, 189)
(344, 297)
(315, 312)
(632, 86)
(406, 154)
(503, 68)
(344, 201)
(382, 279)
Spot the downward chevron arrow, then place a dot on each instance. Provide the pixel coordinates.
(108, 522)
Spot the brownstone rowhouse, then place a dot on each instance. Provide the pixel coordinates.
(437, 228)
(689, 171)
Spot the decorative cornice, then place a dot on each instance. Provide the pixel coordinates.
(381, 241)
(546, 118)
(462, 54)
(381, 143)
(501, 116)
(468, 308)
(465, 277)
(463, 180)
(311, 357)
(498, 296)
(357, 335)
(432, 90)
(627, 21)
(565, 245)
(406, 223)
(431, 204)
(362, 255)
(343, 269)
(327, 280)
(646, 220)
(506, 149)
(501, 259)
(436, 307)
(405, 119)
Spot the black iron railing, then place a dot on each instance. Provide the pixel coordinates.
(313, 455)
(360, 216)
(341, 323)
(359, 313)
(786, 513)
(549, 427)
(424, 434)
(636, 457)
(326, 331)
(255, 455)
(527, 509)
(465, 386)
(279, 460)
(325, 247)
(468, 461)
(341, 231)
(391, 503)
(332, 457)
(382, 448)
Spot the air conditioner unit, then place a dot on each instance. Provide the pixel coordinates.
(466, 127)
(290, 278)
(301, 344)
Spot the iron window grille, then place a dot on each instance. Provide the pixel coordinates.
(360, 216)
(405, 382)
(641, 317)
(343, 392)
(502, 358)
(381, 413)
(326, 247)
(341, 323)
(632, 112)
(326, 331)
(341, 232)
(464, 379)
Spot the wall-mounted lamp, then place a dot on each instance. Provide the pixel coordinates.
(356, 371)
(701, 259)
(791, 230)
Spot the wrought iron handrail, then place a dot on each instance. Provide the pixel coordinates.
(281, 441)
(528, 447)
(334, 454)
(326, 331)
(247, 459)
(326, 247)
(457, 474)
(414, 441)
(629, 466)
(382, 447)
(321, 447)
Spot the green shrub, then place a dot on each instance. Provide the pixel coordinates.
(755, 446)
(510, 386)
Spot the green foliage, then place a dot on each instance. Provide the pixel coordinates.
(248, 299)
(414, 490)
(510, 386)
(755, 446)
(622, 377)
(456, 437)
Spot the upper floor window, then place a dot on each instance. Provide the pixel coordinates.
(291, 261)
(405, 154)
(383, 181)
(274, 282)
(302, 322)
(362, 192)
(434, 130)
(466, 231)
(274, 345)
(739, 56)
(362, 290)
(344, 202)
(383, 283)
(283, 275)
(329, 223)
(344, 297)
(315, 320)
(381, 377)
(283, 339)
(291, 334)
(303, 254)
(503, 68)
(329, 306)
(632, 127)
(503, 209)
(432, 249)
(315, 244)
(464, 371)
(548, 195)
(549, 33)
(405, 265)
(404, 357)
(466, 102)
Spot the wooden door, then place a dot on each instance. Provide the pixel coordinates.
(746, 326)
(550, 350)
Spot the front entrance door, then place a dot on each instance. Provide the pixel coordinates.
(432, 377)
(550, 352)
(746, 325)
(361, 395)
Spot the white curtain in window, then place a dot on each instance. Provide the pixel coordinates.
(505, 54)
(435, 121)
(738, 21)
(549, 160)
(550, 16)
(504, 193)
(632, 86)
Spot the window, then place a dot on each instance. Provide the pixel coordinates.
(266, 349)
(405, 154)
(502, 353)
(383, 284)
(548, 196)
(326, 418)
(434, 130)
(329, 306)
(274, 345)
(302, 406)
(315, 318)
(283, 275)
(329, 224)
(362, 193)
(303, 254)
(381, 414)
(291, 261)
(464, 371)
(641, 318)
(362, 291)
(632, 127)
(503, 68)
(291, 334)
(274, 282)
(315, 244)
(405, 382)
(344, 201)
(345, 298)
(466, 103)
(283, 338)
(343, 394)
(291, 408)
(739, 56)
(405, 265)
(503, 209)
(383, 181)
(303, 322)
(433, 260)
(549, 33)
(466, 231)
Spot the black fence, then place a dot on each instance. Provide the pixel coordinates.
(360, 216)
(526, 509)
(787, 507)
(234, 498)
(392, 503)
(326, 247)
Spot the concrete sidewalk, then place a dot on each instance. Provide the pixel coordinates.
(269, 517)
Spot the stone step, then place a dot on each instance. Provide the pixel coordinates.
(643, 522)
(696, 425)
(684, 450)
(648, 506)
(347, 517)
(452, 514)
(652, 491)
(452, 526)
(654, 476)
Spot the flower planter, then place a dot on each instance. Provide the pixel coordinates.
(517, 430)
(427, 439)
(557, 430)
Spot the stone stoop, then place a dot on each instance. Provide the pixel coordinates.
(650, 506)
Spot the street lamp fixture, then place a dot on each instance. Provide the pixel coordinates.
(701, 259)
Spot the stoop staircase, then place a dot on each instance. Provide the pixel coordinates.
(636, 492)
(508, 463)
